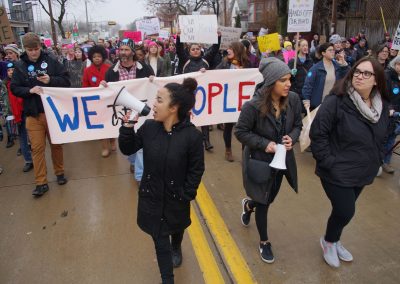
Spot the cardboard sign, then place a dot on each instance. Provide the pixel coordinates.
(199, 28)
(269, 42)
(148, 26)
(84, 114)
(396, 39)
(6, 33)
(300, 15)
(135, 36)
(229, 35)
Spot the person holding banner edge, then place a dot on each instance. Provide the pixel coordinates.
(173, 167)
(35, 70)
(194, 61)
(273, 116)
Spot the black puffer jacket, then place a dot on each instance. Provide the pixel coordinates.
(393, 88)
(24, 79)
(256, 132)
(188, 64)
(347, 147)
(173, 167)
(301, 75)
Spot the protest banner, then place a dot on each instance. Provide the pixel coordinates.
(228, 35)
(148, 26)
(396, 39)
(163, 34)
(198, 28)
(88, 113)
(135, 36)
(300, 15)
(269, 42)
(6, 33)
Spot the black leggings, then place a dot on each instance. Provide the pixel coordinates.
(343, 200)
(163, 245)
(261, 210)
(228, 134)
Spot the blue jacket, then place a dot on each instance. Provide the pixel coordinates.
(315, 82)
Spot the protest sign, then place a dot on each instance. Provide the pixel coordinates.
(289, 54)
(88, 113)
(6, 33)
(47, 42)
(198, 28)
(269, 42)
(300, 15)
(148, 26)
(396, 39)
(228, 35)
(163, 34)
(135, 36)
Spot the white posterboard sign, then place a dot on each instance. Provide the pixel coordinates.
(148, 26)
(163, 34)
(300, 15)
(228, 35)
(396, 39)
(198, 28)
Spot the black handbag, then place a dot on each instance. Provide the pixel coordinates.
(259, 171)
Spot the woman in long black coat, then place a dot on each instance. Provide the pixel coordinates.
(347, 141)
(173, 158)
(273, 116)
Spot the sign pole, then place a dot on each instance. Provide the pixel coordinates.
(296, 49)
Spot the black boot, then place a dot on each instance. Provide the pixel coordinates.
(206, 138)
(10, 142)
(177, 257)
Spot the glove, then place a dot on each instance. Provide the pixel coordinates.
(294, 72)
(306, 104)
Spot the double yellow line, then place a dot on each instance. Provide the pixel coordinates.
(237, 266)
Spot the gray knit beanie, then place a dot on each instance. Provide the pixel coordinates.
(272, 70)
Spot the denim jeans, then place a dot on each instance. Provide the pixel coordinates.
(137, 160)
(391, 140)
(23, 141)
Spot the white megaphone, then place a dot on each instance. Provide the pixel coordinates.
(126, 99)
(279, 160)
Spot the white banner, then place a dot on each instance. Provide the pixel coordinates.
(87, 114)
(300, 15)
(228, 35)
(199, 28)
(148, 26)
(396, 39)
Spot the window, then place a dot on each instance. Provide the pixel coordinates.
(251, 13)
(259, 12)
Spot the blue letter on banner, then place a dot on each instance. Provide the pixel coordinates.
(226, 109)
(67, 120)
(203, 105)
(88, 113)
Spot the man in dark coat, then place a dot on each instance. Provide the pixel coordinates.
(35, 70)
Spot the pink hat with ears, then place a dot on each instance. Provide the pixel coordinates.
(152, 43)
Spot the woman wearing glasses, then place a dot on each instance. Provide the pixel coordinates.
(347, 142)
(323, 75)
(194, 61)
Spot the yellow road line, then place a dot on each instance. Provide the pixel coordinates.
(207, 262)
(227, 246)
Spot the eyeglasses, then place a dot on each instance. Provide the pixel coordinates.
(365, 74)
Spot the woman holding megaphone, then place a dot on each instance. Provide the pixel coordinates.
(269, 124)
(173, 158)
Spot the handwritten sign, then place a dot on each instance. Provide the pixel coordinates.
(135, 36)
(199, 28)
(47, 42)
(269, 42)
(229, 35)
(6, 33)
(396, 39)
(300, 15)
(148, 26)
(288, 54)
(163, 34)
(87, 113)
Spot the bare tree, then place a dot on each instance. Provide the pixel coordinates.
(184, 7)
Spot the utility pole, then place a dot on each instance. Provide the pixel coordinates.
(87, 21)
(225, 14)
(334, 16)
(53, 27)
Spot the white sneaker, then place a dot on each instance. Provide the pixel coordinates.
(330, 253)
(343, 253)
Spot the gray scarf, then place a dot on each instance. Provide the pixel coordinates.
(371, 114)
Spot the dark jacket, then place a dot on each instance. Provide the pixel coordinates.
(225, 64)
(314, 84)
(24, 79)
(190, 64)
(173, 167)
(302, 71)
(393, 88)
(142, 71)
(347, 147)
(256, 132)
(359, 52)
(161, 67)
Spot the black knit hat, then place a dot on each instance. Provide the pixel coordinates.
(128, 42)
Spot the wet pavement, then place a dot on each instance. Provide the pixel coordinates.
(86, 232)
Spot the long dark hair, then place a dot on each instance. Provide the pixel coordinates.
(266, 105)
(342, 86)
(183, 96)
